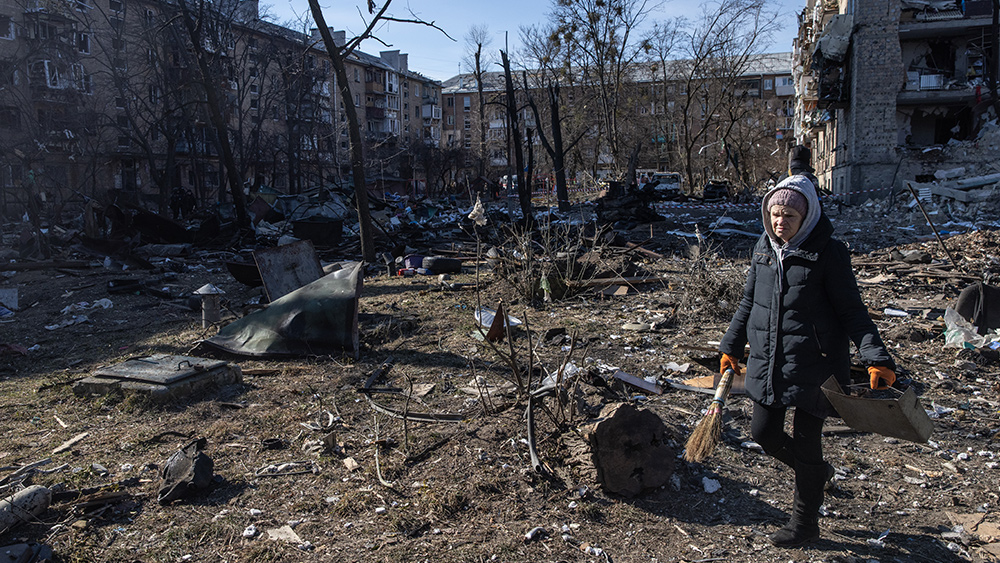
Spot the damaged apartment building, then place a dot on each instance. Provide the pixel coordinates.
(110, 100)
(887, 89)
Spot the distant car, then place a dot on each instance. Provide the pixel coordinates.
(666, 186)
(716, 191)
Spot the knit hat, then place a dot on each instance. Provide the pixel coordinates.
(789, 198)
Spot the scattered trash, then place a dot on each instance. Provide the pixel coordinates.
(535, 533)
(644, 384)
(187, 472)
(710, 485)
(284, 533)
(959, 333)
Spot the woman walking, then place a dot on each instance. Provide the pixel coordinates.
(799, 312)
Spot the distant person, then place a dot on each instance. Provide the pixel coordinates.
(800, 163)
(177, 202)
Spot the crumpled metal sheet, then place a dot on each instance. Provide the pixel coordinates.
(317, 319)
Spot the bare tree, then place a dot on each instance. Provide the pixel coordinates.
(663, 39)
(210, 34)
(514, 133)
(545, 54)
(719, 50)
(338, 54)
(477, 43)
(602, 39)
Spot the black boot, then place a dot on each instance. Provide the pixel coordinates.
(787, 456)
(803, 527)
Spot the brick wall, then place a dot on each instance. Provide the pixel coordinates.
(876, 69)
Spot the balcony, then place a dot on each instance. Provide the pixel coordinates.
(372, 112)
(431, 111)
(935, 97)
(941, 28)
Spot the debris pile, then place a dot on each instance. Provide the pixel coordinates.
(477, 392)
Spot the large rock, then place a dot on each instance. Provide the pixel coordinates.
(629, 449)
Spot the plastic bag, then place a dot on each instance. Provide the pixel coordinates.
(959, 333)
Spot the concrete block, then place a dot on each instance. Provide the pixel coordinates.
(162, 377)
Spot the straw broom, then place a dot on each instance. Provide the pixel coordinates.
(708, 432)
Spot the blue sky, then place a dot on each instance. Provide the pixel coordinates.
(436, 56)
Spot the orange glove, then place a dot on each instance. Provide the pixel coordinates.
(730, 362)
(878, 372)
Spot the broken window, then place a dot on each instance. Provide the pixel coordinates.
(45, 72)
(81, 80)
(129, 172)
(938, 125)
(6, 27)
(11, 175)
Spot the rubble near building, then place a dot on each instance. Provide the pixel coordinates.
(894, 90)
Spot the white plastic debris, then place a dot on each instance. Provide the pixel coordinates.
(250, 531)
(711, 485)
(537, 532)
(478, 214)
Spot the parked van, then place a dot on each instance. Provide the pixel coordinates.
(667, 185)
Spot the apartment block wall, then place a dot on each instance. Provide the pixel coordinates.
(870, 122)
(94, 155)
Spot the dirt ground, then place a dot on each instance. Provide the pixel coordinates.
(464, 490)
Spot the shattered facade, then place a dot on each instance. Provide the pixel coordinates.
(891, 90)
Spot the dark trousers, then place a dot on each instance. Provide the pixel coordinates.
(767, 426)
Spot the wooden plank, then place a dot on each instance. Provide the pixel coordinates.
(70, 443)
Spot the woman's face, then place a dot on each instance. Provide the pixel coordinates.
(785, 222)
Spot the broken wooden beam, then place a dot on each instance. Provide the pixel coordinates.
(597, 282)
(24, 266)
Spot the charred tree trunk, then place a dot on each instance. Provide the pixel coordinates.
(367, 233)
(216, 115)
(523, 188)
(994, 58)
(558, 154)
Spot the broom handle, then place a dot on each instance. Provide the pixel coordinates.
(725, 384)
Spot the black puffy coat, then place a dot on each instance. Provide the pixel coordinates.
(798, 334)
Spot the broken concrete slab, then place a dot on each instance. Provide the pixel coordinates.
(162, 377)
